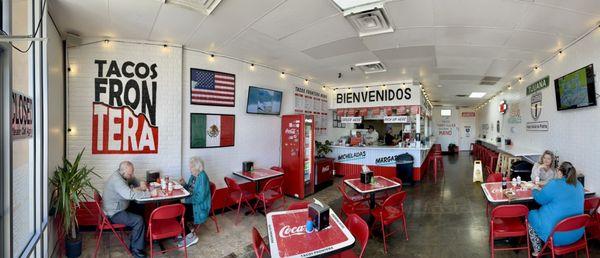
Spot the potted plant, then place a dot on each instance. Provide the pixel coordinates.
(71, 181)
(323, 148)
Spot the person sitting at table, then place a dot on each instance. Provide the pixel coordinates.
(544, 169)
(389, 138)
(560, 198)
(197, 205)
(357, 140)
(115, 200)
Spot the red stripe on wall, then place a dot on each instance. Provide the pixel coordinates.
(227, 130)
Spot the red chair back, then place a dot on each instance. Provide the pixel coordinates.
(98, 201)
(232, 185)
(258, 244)
(397, 180)
(345, 196)
(359, 229)
(510, 211)
(590, 206)
(395, 200)
(298, 206)
(494, 177)
(171, 211)
(274, 184)
(571, 223)
(277, 168)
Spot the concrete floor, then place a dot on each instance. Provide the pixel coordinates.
(446, 219)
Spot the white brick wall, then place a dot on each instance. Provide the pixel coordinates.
(574, 134)
(168, 106)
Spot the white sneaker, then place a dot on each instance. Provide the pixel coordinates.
(190, 239)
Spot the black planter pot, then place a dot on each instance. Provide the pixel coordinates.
(73, 247)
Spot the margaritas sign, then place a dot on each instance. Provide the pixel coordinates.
(542, 83)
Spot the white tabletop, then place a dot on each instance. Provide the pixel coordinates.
(258, 174)
(381, 184)
(165, 198)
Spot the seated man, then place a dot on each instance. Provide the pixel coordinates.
(116, 197)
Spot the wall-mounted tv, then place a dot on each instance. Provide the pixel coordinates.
(263, 101)
(576, 89)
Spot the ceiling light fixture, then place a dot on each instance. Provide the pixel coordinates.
(477, 95)
(305, 81)
(520, 79)
(535, 67)
(165, 46)
(251, 67)
(211, 58)
(509, 87)
(560, 52)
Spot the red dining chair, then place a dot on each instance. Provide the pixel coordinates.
(353, 206)
(258, 244)
(360, 230)
(590, 206)
(492, 178)
(381, 197)
(271, 192)
(389, 212)
(105, 224)
(213, 190)
(164, 224)
(298, 206)
(508, 221)
(438, 163)
(568, 224)
(238, 196)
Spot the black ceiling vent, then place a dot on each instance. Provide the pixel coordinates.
(489, 80)
(462, 95)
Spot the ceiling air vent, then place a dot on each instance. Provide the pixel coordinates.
(204, 6)
(489, 80)
(369, 19)
(371, 67)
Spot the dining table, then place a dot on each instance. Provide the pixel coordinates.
(522, 192)
(257, 175)
(379, 184)
(288, 237)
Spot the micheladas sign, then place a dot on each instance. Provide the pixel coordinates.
(124, 108)
(362, 97)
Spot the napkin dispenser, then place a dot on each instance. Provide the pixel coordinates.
(319, 214)
(365, 177)
(247, 166)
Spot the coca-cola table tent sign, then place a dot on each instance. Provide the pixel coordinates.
(288, 236)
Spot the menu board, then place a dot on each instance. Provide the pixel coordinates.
(311, 102)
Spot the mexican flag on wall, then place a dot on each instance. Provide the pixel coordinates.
(210, 130)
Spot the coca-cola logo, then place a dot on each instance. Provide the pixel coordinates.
(287, 231)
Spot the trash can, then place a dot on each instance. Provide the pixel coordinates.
(521, 168)
(404, 168)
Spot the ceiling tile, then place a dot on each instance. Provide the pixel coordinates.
(286, 20)
(229, 19)
(480, 13)
(410, 13)
(557, 21)
(405, 53)
(83, 18)
(138, 15)
(467, 65)
(401, 38)
(167, 30)
(501, 67)
(471, 36)
(535, 41)
(321, 32)
(336, 48)
(585, 6)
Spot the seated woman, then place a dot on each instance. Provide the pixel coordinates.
(197, 205)
(544, 169)
(560, 198)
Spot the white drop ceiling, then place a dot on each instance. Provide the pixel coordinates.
(454, 43)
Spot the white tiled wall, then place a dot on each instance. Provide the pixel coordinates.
(168, 106)
(574, 134)
(257, 137)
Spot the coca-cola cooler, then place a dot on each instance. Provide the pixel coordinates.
(297, 155)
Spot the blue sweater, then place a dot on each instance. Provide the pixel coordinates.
(558, 201)
(199, 196)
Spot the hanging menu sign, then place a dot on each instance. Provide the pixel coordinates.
(395, 119)
(538, 85)
(362, 97)
(311, 102)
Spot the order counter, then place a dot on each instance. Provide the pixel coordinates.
(380, 159)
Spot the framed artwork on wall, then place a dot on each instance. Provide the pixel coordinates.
(211, 130)
(211, 88)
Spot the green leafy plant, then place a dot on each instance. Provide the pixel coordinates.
(71, 181)
(323, 148)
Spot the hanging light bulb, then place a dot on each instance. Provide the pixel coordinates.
(211, 58)
(305, 81)
(282, 75)
(251, 67)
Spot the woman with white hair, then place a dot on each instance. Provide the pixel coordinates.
(197, 205)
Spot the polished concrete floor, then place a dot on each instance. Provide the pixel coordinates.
(446, 219)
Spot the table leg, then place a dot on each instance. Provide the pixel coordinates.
(371, 207)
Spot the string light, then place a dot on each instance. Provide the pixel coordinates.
(106, 41)
(305, 81)
(520, 79)
(165, 46)
(324, 87)
(536, 67)
(367, 87)
(282, 75)
(509, 87)
(251, 67)
(211, 58)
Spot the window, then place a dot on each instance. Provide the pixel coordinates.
(446, 112)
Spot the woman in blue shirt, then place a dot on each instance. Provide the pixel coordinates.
(197, 205)
(560, 198)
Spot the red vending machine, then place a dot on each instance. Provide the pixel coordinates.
(297, 155)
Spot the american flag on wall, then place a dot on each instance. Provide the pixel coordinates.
(212, 88)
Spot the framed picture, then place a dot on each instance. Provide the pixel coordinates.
(212, 88)
(211, 130)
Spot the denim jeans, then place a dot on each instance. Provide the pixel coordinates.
(136, 223)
